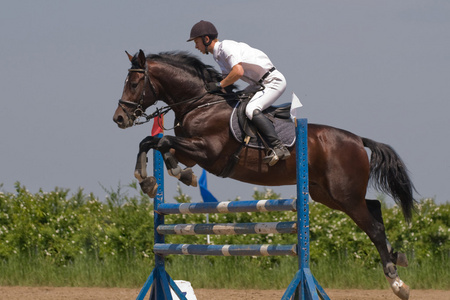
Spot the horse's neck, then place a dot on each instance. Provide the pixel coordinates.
(177, 89)
(185, 92)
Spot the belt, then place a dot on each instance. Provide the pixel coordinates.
(267, 74)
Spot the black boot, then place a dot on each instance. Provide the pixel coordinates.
(266, 128)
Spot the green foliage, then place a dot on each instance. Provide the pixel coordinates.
(60, 228)
(334, 234)
(79, 233)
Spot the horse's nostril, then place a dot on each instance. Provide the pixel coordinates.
(118, 119)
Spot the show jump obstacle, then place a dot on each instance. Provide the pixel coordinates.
(303, 286)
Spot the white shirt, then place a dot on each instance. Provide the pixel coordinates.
(229, 53)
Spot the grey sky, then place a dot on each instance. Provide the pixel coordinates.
(380, 69)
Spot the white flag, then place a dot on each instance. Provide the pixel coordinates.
(295, 107)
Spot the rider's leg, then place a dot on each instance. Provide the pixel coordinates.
(267, 129)
(275, 84)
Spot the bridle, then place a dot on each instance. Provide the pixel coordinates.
(139, 111)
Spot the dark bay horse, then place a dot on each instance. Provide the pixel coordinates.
(339, 167)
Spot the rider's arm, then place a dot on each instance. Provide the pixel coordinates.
(236, 73)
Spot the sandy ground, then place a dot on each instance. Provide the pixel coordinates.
(64, 293)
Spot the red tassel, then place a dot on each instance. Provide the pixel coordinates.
(158, 125)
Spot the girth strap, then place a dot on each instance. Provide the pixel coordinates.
(232, 161)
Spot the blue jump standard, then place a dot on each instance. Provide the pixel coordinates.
(303, 286)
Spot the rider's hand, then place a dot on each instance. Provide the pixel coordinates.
(213, 87)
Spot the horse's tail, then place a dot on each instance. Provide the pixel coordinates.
(388, 174)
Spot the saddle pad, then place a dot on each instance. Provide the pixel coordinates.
(284, 128)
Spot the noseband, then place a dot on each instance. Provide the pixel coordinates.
(139, 111)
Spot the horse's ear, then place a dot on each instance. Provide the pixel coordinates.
(130, 57)
(141, 59)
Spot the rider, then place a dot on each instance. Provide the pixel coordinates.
(240, 61)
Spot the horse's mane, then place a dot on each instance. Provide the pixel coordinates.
(187, 62)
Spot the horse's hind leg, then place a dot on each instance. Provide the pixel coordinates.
(374, 228)
(397, 258)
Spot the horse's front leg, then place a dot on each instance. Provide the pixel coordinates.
(140, 172)
(191, 148)
(152, 142)
(148, 184)
(164, 146)
(186, 175)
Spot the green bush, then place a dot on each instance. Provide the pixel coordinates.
(60, 230)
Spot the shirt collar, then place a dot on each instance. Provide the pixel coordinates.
(216, 49)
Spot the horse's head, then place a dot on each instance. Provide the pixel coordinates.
(177, 78)
(138, 92)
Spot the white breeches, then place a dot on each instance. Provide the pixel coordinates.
(274, 84)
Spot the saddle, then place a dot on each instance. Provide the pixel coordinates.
(245, 132)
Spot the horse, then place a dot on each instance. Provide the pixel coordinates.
(339, 166)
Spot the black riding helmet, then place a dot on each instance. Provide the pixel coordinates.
(202, 29)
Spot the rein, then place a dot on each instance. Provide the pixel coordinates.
(139, 112)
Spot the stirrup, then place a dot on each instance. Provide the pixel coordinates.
(271, 158)
(282, 152)
(279, 152)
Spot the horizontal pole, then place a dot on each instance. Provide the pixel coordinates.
(227, 207)
(228, 228)
(225, 250)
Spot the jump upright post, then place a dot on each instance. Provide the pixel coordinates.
(303, 286)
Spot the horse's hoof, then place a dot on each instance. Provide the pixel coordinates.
(400, 289)
(149, 186)
(175, 172)
(194, 182)
(402, 261)
(188, 177)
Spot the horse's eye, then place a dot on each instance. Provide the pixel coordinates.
(134, 85)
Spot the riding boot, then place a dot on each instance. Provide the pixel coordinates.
(266, 128)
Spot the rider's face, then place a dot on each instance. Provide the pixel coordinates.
(199, 45)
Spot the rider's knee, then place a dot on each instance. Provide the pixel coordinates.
(256, 112)
(253, 113)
